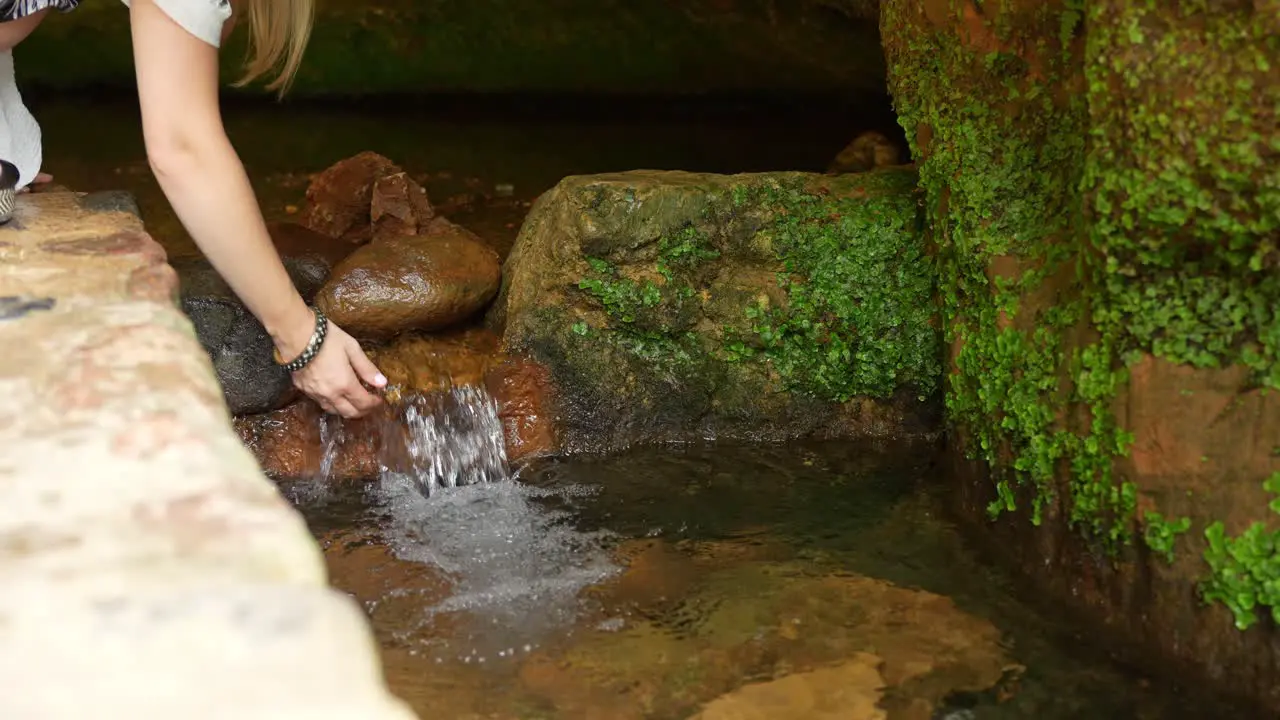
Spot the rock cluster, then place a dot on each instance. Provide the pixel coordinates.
(373, 253)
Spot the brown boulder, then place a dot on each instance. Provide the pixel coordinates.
(286, 443)
(293, 240)
(419, 282)
(418, 363)
(339, 198)
(399, 207)
(526, 407)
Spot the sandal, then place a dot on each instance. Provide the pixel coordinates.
(8, 189)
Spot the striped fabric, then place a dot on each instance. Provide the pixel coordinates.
(14, 9)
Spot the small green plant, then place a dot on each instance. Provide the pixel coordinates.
(1245, 570)
(857, 320)
(1161, 534)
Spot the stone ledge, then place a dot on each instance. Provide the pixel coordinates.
(149, 569)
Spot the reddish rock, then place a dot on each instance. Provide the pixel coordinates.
(526, 406)
(286, 443)
(429, 363)
(421, 282)
(399, 207)
(339, 198)
(297, 241)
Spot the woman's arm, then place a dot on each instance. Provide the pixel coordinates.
(201, 175)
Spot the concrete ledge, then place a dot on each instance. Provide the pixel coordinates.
(148, 569)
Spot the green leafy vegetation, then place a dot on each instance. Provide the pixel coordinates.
(1161, 534)
(1061, 264)
(858, 316)
(1001, 166)
(1245, 570)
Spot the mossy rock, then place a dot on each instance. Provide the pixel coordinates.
(525, 46)
(1102, 196)
(673, 306)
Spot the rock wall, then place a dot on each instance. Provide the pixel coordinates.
(525, 46)
(1104, 200)
(671, 306)
(149, 569)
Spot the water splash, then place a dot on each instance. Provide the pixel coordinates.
(516, 561)
(513, 554)
(444, 440)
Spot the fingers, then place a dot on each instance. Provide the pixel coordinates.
(364, 367)
(345, 408)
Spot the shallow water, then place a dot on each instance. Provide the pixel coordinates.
(650, 583)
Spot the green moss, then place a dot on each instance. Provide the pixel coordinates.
(1161, 534)
(1158, 237)
(1001, 162)
(859, 288)
(1184, 191)
(1245, 570)
(856, 315)
(1184, 184)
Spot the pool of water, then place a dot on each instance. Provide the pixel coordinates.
(712, 581)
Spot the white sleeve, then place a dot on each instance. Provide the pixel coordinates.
(202, 18)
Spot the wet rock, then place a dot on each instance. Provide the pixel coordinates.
(286, 443)
(429, 363)
(654, 300)
(340, 197)
(868, 151)
(849, 691)
(238, 345)
(420, 282)
(526, 406)
(399, 207)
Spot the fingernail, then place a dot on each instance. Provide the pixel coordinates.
(379, 379)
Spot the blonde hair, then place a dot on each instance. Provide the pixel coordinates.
(278, 34)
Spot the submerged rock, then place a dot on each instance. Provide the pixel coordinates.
(415, 282)
(833, 646)
(670, 305)
(848, 691)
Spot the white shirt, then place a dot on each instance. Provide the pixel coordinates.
(202, 18)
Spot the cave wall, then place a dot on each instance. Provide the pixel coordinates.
(1104, 196)
(521, 46)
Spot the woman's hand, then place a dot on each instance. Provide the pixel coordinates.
(334, 377)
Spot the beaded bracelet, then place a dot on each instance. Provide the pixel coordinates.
(311, 350)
